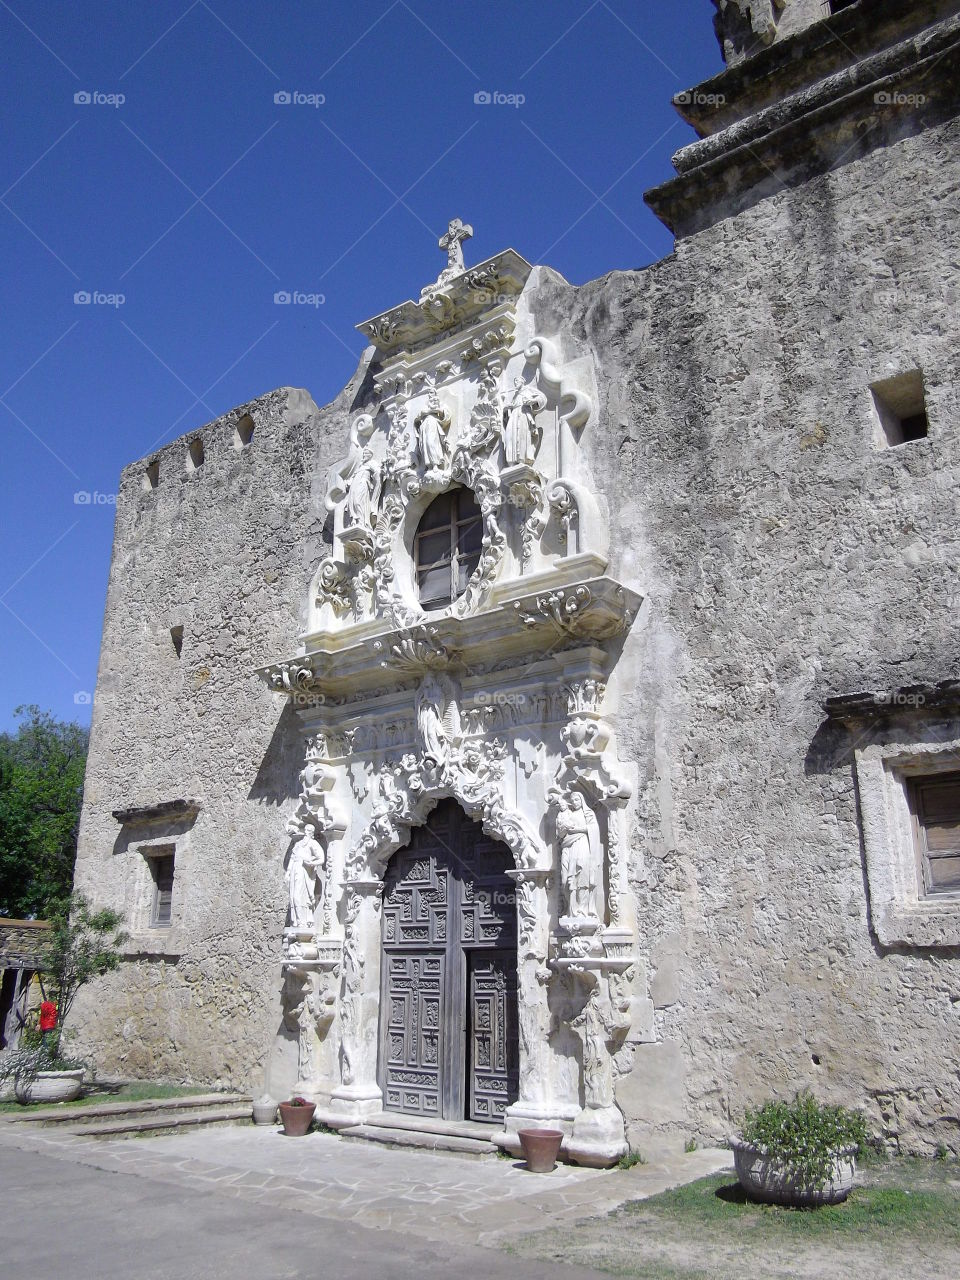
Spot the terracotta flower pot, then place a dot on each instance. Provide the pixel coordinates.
(540, 1148)
(773, 1182)
(296, 1120)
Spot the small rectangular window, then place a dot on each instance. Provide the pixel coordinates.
(195, 454)
(161, 867)
(151, 474)
(243, 432)
(901, 408)
(936, 808)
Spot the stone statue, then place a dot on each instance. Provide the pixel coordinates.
(581, 856)
(362, 492)
(521, 438)
(430, 727)
(301, 877)
(430, 437)
(340, 476)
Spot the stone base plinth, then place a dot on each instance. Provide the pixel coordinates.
(598, 1139)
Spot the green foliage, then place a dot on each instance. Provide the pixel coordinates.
(41, 787)
(630, 1159)
(84, 943)
(22, 1065)
(805, 1135)
(690, 1146)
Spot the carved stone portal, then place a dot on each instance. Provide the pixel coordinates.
(503, 704)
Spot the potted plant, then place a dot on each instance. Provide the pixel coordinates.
(297, 1116)
(800, 1153)
(540, 1148)
(39, 1073)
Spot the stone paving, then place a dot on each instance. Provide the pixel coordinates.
(438, 1197)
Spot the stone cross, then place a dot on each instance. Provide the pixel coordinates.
(457, 232)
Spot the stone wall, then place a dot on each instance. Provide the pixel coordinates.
(22, 942)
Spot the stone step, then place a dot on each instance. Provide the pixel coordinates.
(425, 1141)
(433, 1124)
(172, 1121)
(96, 1111)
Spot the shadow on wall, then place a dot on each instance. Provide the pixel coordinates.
(278, 778)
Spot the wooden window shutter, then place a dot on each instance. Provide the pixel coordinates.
(938, 816)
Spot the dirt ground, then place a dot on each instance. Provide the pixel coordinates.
(902, 1222)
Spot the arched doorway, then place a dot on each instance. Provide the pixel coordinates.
(448, 1010)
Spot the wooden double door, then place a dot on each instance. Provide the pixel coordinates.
(448, 1011)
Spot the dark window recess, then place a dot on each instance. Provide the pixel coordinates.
(243, 432)
(901, 407)
(936, 807)
(195, 454)
(176, 635)
(447, 547)
(162, 868)
(151, 474)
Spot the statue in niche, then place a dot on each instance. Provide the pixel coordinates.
(340, 476)
(363, 492)
(431, 437)
(438, 719)
(581, 856)
(521, 436)
(306, 861)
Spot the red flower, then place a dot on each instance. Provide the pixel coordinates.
(48, 1016)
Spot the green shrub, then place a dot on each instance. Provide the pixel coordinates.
(805, 1135)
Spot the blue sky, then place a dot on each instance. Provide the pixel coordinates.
(197, 197)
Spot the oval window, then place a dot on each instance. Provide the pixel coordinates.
(447, 547)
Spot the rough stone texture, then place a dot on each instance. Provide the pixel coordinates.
(784, 556)
(22, 942)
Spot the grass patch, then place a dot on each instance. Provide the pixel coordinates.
(718, 1202)
(631, 1159)
(138, 1091)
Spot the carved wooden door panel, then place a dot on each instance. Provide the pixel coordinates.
(448, 1020)
(494, 1058)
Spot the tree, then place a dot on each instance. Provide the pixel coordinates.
(84, 943)
(41, 789)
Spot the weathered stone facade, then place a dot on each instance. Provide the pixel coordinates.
(782, 555)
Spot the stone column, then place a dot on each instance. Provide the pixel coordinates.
(536, 1107)
(358, 1094)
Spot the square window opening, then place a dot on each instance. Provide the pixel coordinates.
(195, 454)
(900, 407)
(151, 475)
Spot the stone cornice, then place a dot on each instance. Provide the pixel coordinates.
(444, 308)
(849, 708)
(524, 622)
(878, 99)
(163, 810)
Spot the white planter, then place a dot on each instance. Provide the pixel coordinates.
(51, 1086)
(767, 1179)
(265, 1111)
